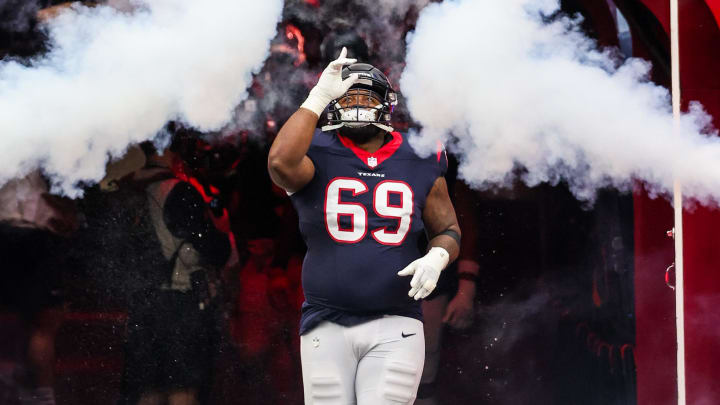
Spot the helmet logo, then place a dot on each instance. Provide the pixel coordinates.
(372, 161)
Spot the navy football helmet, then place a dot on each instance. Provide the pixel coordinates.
(370, 101)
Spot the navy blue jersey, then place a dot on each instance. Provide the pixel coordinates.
(361, 218)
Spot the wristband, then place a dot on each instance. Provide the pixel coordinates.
(315, 104)
(468, 266)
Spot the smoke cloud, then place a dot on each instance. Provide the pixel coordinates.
(16, 15)
(528, 97)
(326, 26)
(113, 78)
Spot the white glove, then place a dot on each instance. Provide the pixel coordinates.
(426, 272)
(330, 85)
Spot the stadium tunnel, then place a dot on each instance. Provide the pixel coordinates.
(583, 315)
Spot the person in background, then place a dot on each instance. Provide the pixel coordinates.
(452, 304)
(261, 324)
(34, 229)
(171, 327)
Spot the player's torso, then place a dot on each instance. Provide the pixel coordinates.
(361, 217)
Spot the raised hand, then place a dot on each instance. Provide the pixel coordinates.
(330, 85)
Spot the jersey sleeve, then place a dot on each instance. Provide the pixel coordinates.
(314, 159)
(316, 153)
(319, 146)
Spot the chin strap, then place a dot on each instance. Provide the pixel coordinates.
(342, 124)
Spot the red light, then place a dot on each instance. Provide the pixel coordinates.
(180, 174)
(291, 32)
(222, 223)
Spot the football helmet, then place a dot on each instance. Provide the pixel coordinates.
(370, 101)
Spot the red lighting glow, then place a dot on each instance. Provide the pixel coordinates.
(293, 32)
(223, 221)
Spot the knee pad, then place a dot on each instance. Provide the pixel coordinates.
(326, 389)
(400, 381)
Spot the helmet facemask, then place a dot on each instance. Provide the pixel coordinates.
(359, 108)
(369, 102)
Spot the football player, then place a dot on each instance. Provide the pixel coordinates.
(364, 199)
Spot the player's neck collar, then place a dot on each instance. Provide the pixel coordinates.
(372, 160)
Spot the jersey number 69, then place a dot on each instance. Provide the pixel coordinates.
(334, 209)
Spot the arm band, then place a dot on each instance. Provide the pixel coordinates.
(452, 234)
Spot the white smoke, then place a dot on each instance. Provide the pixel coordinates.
(114, 78)
(518, 91)
(387, 9)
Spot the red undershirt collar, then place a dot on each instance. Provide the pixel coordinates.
(373, 160)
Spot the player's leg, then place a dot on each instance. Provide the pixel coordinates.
(389, 372)
(328, 365)
(145, 350)
(41, 352)
(433, 312)
(151, 398)
(40, 305)
(188, 337)
(183, 397)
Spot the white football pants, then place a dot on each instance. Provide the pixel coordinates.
(377, 362)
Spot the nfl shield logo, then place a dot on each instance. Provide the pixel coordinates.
(372, 161)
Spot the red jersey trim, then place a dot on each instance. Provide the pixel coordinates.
(381, 154)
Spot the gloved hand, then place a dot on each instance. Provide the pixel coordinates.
(426, 272)
(330, 85)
